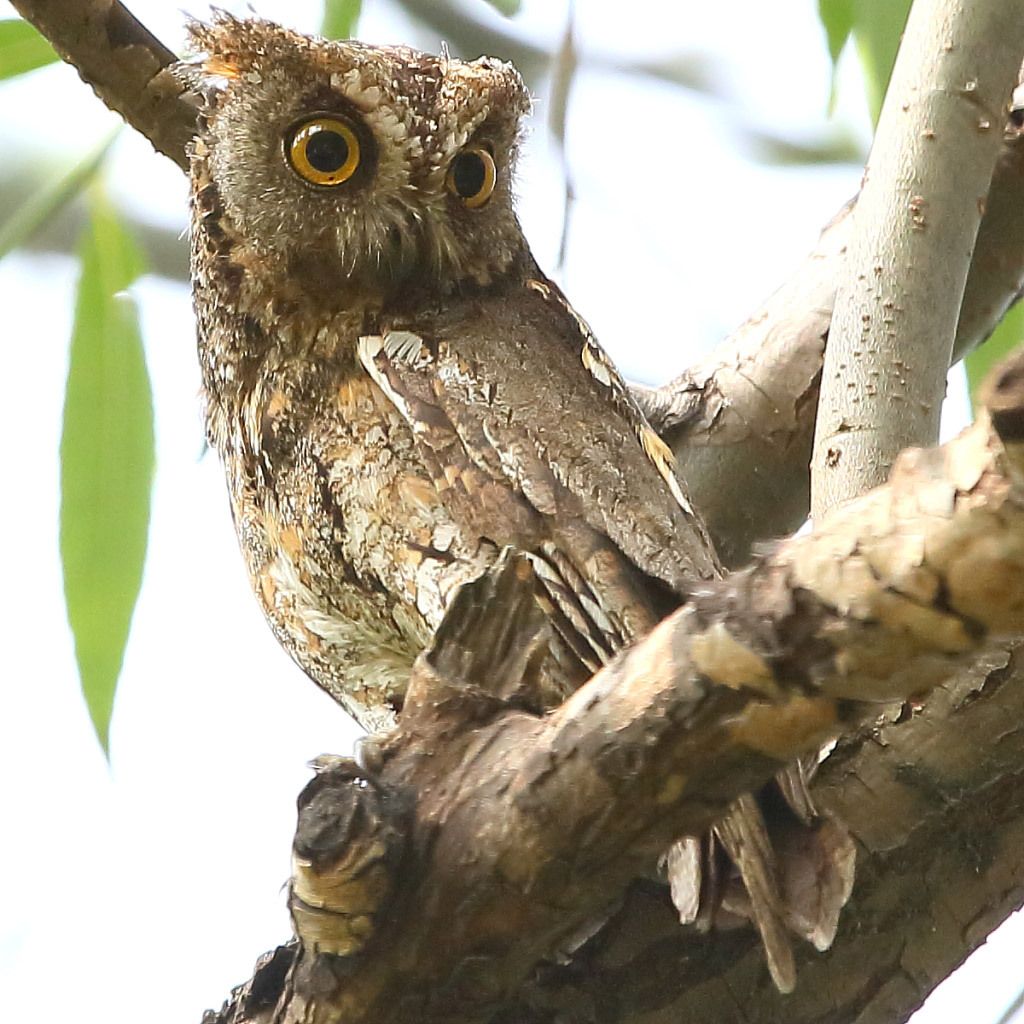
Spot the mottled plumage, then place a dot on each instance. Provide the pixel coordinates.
(395, 389)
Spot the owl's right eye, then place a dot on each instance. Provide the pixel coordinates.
(324, 151)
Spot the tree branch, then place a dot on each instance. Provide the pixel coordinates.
(740, 422)
(524, 830)
(936, 803)
(913, 234)
(126, 65)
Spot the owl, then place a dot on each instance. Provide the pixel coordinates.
(395, 389)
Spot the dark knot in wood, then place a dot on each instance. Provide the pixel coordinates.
(348, 846)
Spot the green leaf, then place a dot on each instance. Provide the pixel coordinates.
(878, 26)
(340, 18)
(1004, 339)
(837, 19)
(22, 48)
(49, 198)
(506, 7)
(106, 454)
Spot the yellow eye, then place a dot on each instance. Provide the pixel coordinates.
(471, 176)
(324, 151)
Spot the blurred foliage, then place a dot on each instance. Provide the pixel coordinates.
(469, 35)
(837, 18)
(840, 147)
(1004, 339)
(107, 459)
(876, 27)
(22, 49)
(340, 18)
(506, 7)
(50, 198)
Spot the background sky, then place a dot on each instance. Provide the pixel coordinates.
(162, 871)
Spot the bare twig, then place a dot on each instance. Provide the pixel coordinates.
(564, 67)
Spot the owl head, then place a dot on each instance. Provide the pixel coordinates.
(372, 165)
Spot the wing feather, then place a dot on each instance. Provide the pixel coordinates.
(534, 400)
(517, 401)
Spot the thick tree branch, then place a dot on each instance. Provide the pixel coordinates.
(525, 830)
(913, 235)
(935, 801)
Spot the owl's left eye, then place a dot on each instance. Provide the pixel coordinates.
(324, 150)
(472, 175)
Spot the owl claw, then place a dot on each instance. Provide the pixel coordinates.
(369, 753)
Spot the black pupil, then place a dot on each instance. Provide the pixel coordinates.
(326, 151)
(469, 174)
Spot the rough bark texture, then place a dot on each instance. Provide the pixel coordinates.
(511, 837)
(939, 866)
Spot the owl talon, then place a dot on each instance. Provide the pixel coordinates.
(369, 753)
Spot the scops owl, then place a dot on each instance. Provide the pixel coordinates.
(395, 389)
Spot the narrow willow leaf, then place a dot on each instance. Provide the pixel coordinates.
(50, 198)
(840, 147)
(106, 454)
(836, 17)
(1004, 339)
(22, 48)
(878, 26)
(340, 18)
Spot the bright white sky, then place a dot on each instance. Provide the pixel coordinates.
(162, 872)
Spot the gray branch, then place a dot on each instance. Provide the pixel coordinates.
(913, 234)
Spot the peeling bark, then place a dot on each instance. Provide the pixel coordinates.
(524, 832)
